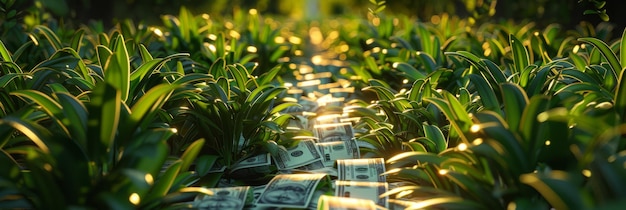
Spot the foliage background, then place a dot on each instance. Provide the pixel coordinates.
(564, 12)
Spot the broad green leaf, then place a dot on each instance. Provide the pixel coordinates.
(190, 154)
(269, 76)
(104, 116)
(485, 91)
(433, 133)
(460, 125)
(239, 74)
(35, 132)
(606, 52)
(556, 188)
(537, 83)
(77, 40)
(493, 71)
(145, 54)
(49, 105)
(529, 125)
(622, 50)
(505, 141)
(204, 163)
(409, 71)
(162, 184)
(620, 97)
(104, 55)
(578, 75)
(428, 61)
(520, 55)
(459, 112)
(51, 37)
(469, 57)
(4, 53)
(515, 100)
(146, 106)
(117, 72)
(409, 159)
(370, 63)
(6, 79)
(74, 117)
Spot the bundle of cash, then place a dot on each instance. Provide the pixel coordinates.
(305, 153)
(368, 170)
(327, 202)
(363, 190)
(334, 132)
(223, 198)
(290, 191)
(338, 150)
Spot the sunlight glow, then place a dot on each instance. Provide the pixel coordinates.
(134, 198)
(576, 48)
(279, 40)
(586, 173)
(475, 128)
(309, 83)
(149, 179)
(253, 12)
(443, 172)
(316, 35)
(251, 49)
(158, 32)
(211, 47)
(47, 167)
(234, 34)
(477, 141)
(317, 59)
(295, 40)
(462, 147)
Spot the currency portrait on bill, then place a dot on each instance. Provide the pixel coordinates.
(305, 153)
(290, 190)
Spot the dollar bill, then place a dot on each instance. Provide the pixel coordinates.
(338, 150)
(312, 166)
(363, 190)
(290, 190)
(230, 198)
(305, 153)
(254, 161)
(327, 202)
(368, 169)
(334, 132)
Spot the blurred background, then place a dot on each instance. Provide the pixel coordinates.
(568, 13)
